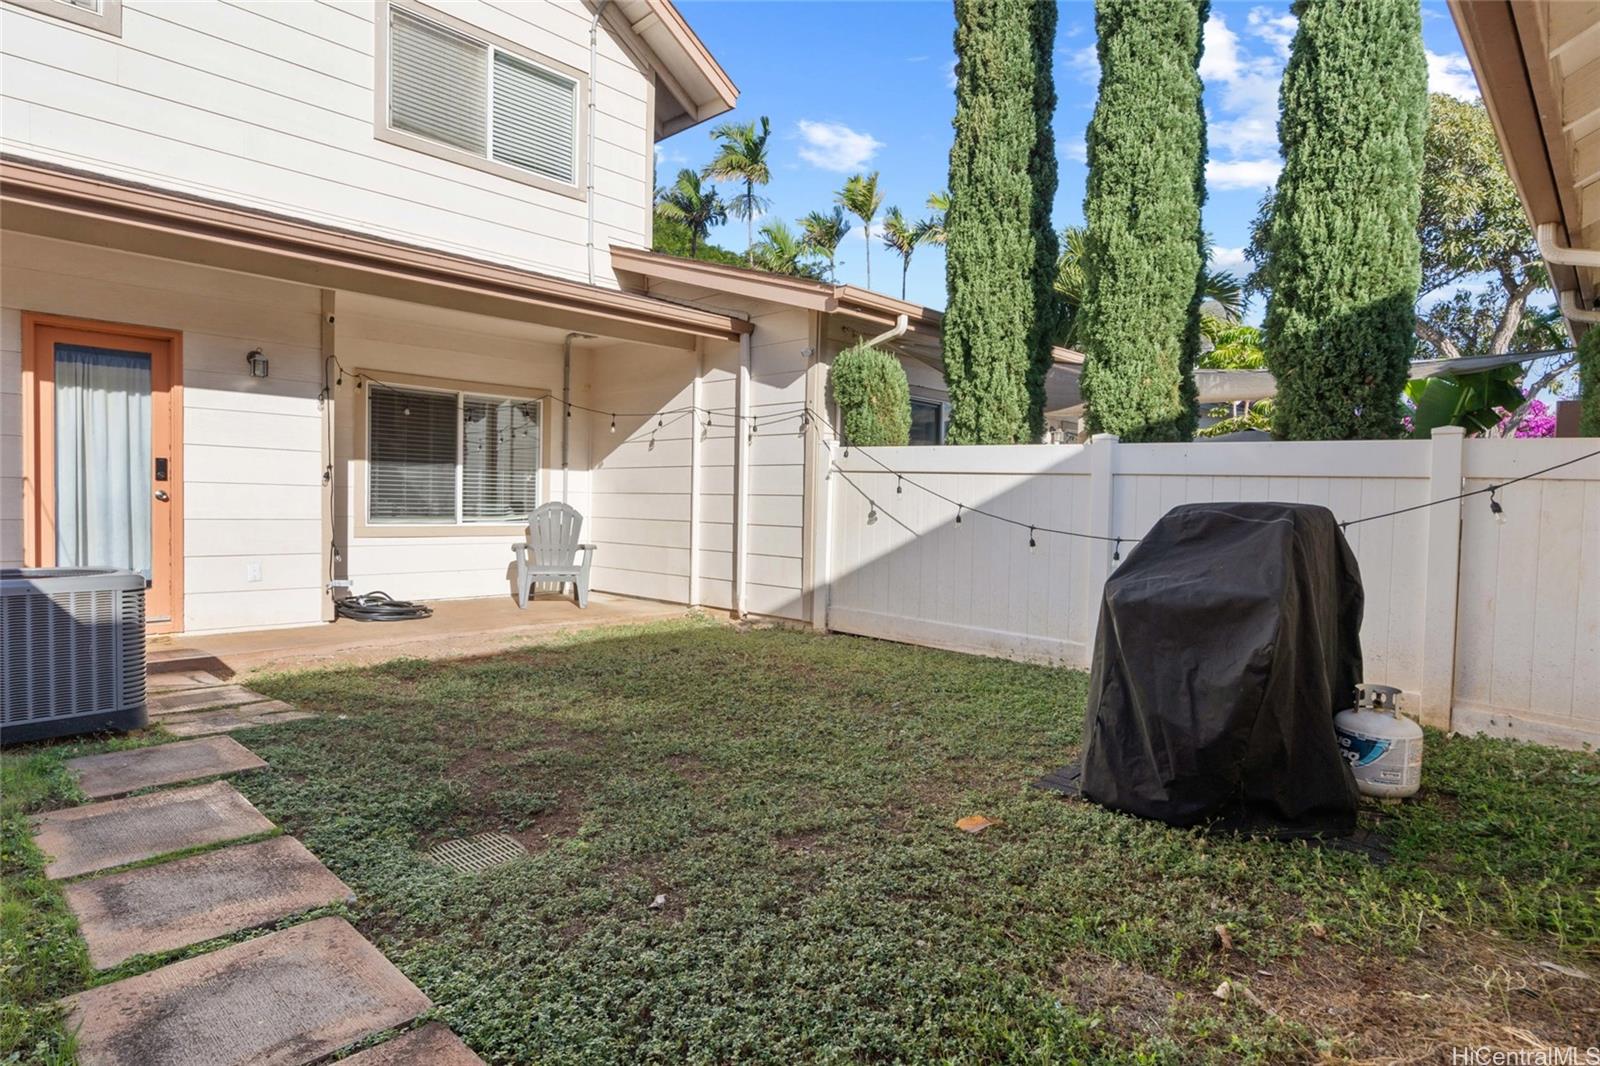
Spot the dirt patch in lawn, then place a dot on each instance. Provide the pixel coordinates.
(1474, 990)
(559, 823)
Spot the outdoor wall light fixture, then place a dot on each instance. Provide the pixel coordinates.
(257, 361)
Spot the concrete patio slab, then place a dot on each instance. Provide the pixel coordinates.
(205, 723)
(119, 772)
(98, 836)
(199, 699)
(432, 1044)
(175, 904)
(284, 999)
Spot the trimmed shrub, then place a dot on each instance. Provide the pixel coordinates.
(1589, 383)
(1343, 259)
(1140, 320)
(1000, 248)
(869, 385)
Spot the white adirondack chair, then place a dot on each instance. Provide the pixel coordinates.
(549, 555)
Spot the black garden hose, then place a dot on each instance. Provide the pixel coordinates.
(379, 607)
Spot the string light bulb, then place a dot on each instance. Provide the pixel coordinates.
(958, 514)
(1116, 550)
(613, 423)
(1032, 542)
(1495, 508)
(898, 489)
(872, 513)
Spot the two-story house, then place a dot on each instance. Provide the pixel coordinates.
(303, 296)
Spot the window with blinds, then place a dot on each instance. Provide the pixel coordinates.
(450, 458)
(479, 98)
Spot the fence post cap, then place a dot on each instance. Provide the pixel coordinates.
(1448, 431)
(1108, 437)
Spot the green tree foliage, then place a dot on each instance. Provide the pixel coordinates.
(821, 233)
(782, 252)
(695, 206)
(1000, 247)
(860, 197)
(742, 157)
(672, 238)
(1342, 256)
(900, 237)
(1233, 347)
(1589, 383)
(869, 385)
(1222, 295)
(931, 229)
(1144, 250)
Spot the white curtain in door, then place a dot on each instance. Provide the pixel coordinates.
(103, 476)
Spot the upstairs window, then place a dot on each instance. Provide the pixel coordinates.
(467, 93)
(102, 15)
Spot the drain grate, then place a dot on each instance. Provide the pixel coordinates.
(477, 854)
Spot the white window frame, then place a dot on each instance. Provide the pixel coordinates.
(366, 525)
(105, 16)
(944, 414)
(493, 43)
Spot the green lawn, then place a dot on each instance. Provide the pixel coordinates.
(793, 797)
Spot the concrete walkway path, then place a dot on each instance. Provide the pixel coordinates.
(288, 998)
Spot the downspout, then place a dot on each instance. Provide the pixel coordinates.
(901, 324)
(1565, 255)
(588, 157)
(741, 474)
(1572, 312)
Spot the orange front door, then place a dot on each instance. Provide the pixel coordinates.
(103, 442)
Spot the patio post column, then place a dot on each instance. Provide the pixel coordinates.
(697, 402)
(741, 474)
(1102, 475)
(329, 455)
(1441, 577)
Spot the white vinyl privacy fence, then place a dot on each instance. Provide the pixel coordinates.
(1487, 623)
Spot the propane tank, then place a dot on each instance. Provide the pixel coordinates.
(1384, 749)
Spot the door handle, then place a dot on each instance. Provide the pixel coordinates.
(161, 494)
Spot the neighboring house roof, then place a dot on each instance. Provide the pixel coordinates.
(1538, 67)
(94, 209)
(862, 310)
(691, 85)
(1228, 386)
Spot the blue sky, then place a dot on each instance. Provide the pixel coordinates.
(868, 86)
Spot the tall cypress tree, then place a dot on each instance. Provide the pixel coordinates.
(1145, 249)
(1342, 254)
(1000, 250)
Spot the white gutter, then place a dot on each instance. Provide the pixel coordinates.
(901, 324)
(741, 474)
(1565, 255)
(1572, 312)
(594, 71)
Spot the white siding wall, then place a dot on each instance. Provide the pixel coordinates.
(252, 466)
(390, 336)
(642, 496)
(270, 105)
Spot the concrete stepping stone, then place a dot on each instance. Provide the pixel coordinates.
(432, 1044)
(199, 699)
(181, 679)
(119, 772)
(228, 719)
(175, 904)
(98, 836)
(284, 999)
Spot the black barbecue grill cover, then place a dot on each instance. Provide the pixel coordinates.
(1228, 640)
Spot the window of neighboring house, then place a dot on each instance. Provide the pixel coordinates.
(471, 96)
(103, 15)
(436, 457)
(927, 421)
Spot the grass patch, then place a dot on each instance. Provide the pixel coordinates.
(792, 796)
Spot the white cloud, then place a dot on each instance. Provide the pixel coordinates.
(833, 146)
(1230, 259)
(1276, 30)
(1221, 60)
(1084, 63)
(1076, 150)
(1242, 173)
(1243, 88)
(1451, 75)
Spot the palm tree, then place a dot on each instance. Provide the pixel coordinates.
(782, 252)
(742, 157)
(931, 229)
(822, 232)
(903, 238)
(860, 197)
(696, 206)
